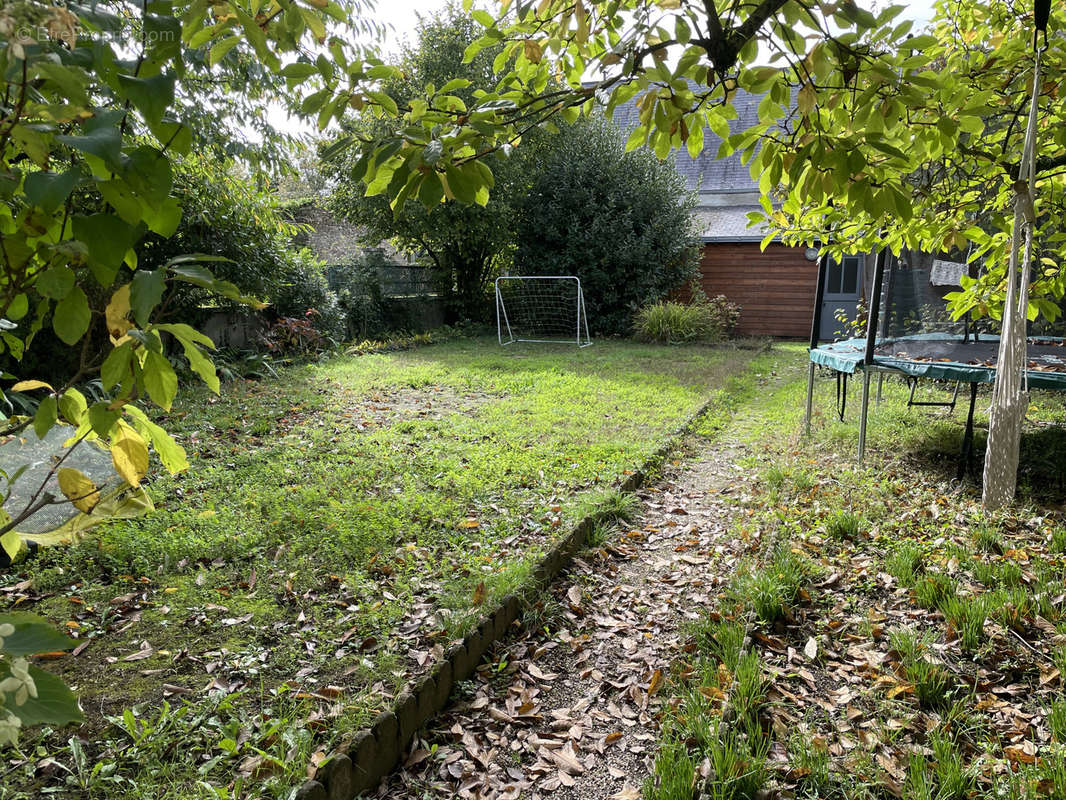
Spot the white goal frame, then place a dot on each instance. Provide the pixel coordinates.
(503, 323)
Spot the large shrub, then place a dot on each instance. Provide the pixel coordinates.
(226, 214)
(620, 221)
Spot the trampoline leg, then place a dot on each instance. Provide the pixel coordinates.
(863, 413)
(966, 456)
(810, 399)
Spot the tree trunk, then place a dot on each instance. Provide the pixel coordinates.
(1001, 455)
(1009, 398)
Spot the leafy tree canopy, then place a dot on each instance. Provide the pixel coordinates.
(466, 243)
(869, 134)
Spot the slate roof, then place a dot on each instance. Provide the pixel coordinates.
(728, 224)
(705, 173)
(725, 190)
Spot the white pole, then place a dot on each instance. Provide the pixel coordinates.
(578, 304)
(499, 330)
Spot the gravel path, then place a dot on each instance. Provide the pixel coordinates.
(567, 709)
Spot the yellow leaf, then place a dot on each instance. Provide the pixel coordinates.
(116, 312)
(711, 692)
(469, 522)
(655, 682)
(725, 677)
(129, 454)
(78, 488)
(479, 594)
(532, 50)
(26, 386)
(12, 544)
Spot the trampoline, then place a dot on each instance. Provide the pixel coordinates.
(956, 353)
(944, 357)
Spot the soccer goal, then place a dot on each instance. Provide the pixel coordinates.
(541, 308)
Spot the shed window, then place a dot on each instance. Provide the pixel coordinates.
(843, 276)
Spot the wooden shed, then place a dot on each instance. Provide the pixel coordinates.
(774, 287)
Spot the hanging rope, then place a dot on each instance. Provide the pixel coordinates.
(1010, 394)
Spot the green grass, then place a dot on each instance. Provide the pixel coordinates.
(933, 590)
(844, 525)
(1057, 720)
(967, 616)
(987, 538)
(693, 732)
(771, 590)
(950, 568)
(328, 511)
(904, 563)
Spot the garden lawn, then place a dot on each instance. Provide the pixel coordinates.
(338, 527)
(907, 644)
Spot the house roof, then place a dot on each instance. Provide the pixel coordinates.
(705, 173)
(725, 190)
(729, 224)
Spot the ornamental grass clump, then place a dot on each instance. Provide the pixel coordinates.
(703, 320)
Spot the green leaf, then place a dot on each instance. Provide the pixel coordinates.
(147, 171)
(102, 419)
(46, 416)
(174, 136)
(431, 192)
(298, 71)
(124, 201)
(49, 190)
(55, 704)
(18, 307)
(33, 635)
(463, 183)
(163, 31)
(14, 344)
(152, 96)
(185, 333)
(116, 366)
(72, 406)
(453, 84)
(105, 143)
(166, 219)
(171, 454)
(193, 273)
(69, 82)
(108, 238)
(146, 290)
(219, 49)
(55, 282)
(71, 317)
(159, 379)
(386, 102)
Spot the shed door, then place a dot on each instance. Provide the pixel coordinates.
(843, 289)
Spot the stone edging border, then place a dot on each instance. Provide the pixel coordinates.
(376, 751)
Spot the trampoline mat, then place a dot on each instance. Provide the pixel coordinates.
(942, 356)
(1044, 355)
